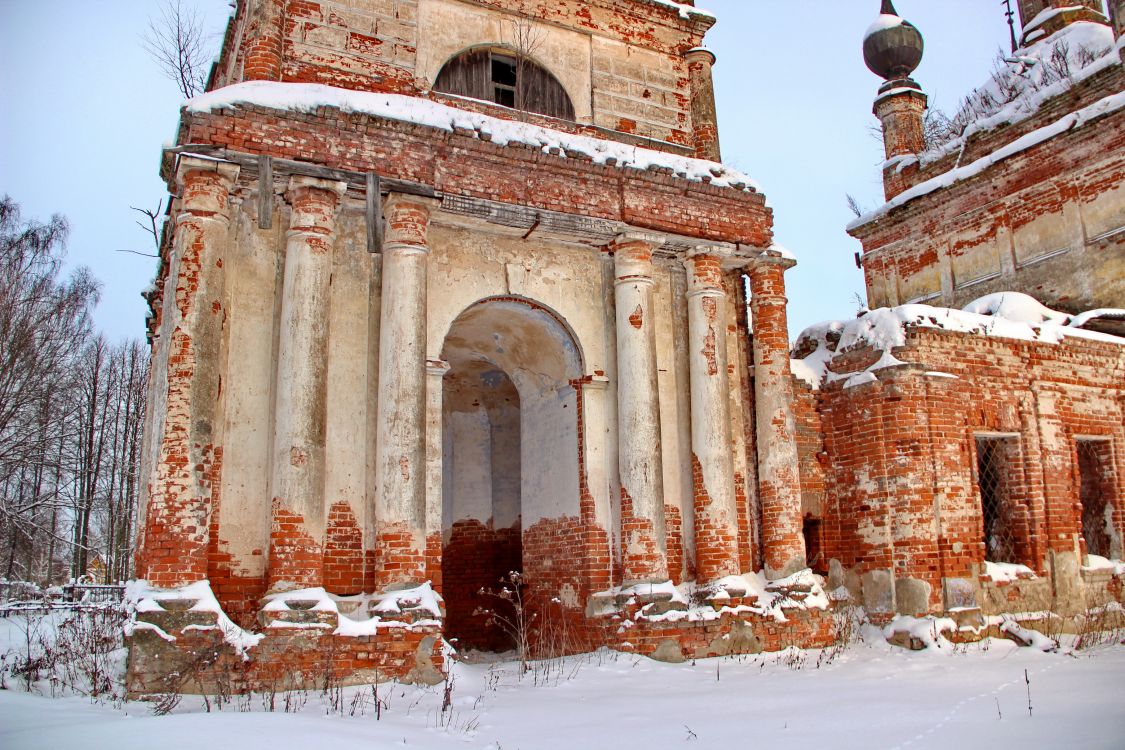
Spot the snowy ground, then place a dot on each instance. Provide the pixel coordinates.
(874, 696)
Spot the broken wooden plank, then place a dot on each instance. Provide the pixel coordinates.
(265, 192)
(374, 213)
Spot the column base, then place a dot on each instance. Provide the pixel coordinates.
(308, 640)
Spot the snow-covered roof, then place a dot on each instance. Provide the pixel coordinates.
(1046, 15)
(1083, 49)
(307, 97)
(1009, 315)
(1033, 75)
(1069, 122)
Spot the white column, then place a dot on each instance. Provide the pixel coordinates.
(435, 374)
(716, 512)
(644, 556)
(297, 476)
(401, 423)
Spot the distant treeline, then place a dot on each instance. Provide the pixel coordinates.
(71, 409)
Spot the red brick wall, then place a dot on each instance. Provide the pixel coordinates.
(307, 41)
(1075, 166)
(904, 446)
(479, 558)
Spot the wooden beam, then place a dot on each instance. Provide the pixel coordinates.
(357, 180)
(265, 192)
(374, 213)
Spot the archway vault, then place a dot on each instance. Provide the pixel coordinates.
(509, 455)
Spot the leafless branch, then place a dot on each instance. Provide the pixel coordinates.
(176, 41)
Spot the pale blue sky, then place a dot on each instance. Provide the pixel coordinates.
(84, 112)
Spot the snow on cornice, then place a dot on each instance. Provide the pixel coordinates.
(685, 11)
(308, 97)
(1064, 124)
(1010, 315)
(1046, 15)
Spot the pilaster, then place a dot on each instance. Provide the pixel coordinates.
(173, 549)
(715, 508)
(704, 119)
(778, 473)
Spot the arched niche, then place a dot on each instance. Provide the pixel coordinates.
(510, 456)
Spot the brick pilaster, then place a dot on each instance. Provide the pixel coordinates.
(297, 533)
(644, 557)
(779, 481)
(173, 548)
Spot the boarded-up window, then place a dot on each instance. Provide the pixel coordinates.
(506, 79)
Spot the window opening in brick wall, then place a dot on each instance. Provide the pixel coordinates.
(507, 79)
(1094, 493)
(813, 532)
(995, 466)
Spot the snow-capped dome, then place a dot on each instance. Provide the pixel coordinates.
(892, 47)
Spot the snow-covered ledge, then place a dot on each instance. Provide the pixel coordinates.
(308, 97)
(1011, 315)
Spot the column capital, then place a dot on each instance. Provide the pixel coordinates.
(634, 236)
(701, 55)
(191, 163)
(300, 182)
(705, 270)
(437, 368)
(721, 252)
(407, 222)
(770, 257)
(205, 186)
(632, 255)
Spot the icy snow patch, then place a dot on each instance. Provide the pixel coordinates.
(927, 630)
(761, 598)
(1015, 306)
(1033, 638)
(1096, 562)
(142, 597)
(1008, 572)
(685, 11)
(307, 97)
(420, 598)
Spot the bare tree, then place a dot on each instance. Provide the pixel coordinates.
(71, 410)
(44, 322)
(527, 37)
(176, 41)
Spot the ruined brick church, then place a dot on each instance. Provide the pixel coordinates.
(460, 321)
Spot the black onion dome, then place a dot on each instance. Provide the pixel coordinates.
(892, 49)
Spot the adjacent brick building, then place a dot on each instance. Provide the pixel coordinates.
(994, 435)
(456, 288)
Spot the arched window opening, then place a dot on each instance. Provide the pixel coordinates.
(506, 78)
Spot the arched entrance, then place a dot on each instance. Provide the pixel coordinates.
(509, 454)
